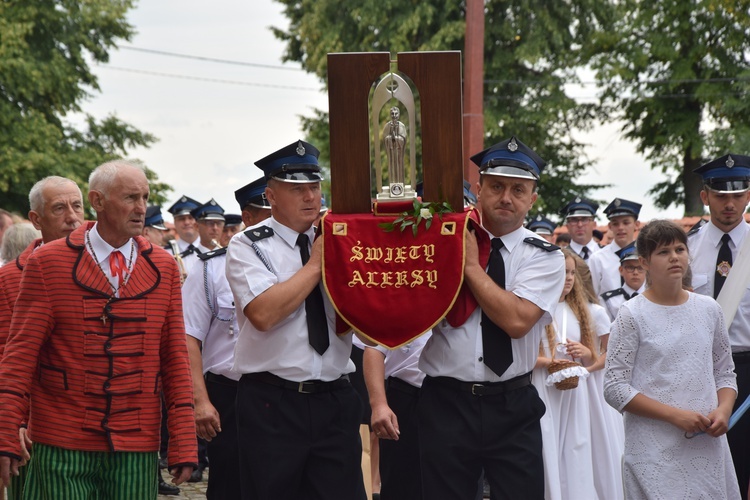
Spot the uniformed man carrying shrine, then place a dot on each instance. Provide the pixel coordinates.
(298, 416)
(477, 409)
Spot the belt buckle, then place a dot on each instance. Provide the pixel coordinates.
(301, 388)
(477, 390)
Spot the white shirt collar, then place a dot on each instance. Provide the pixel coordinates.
(102, 249)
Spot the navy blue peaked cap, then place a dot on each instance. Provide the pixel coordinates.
(208, 211)
(510, 158)
(620, 207)
(154, 218)
(297, 162)
(232, 220)
(183, 206)
(628, 252)
(580, 207)
(541, 225)
(253, 194)
(728, 174)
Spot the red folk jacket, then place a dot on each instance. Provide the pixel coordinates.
(10, 284)
(100, 363)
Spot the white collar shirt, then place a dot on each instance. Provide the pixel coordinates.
(100, 250)
(592, 245)
(605, 268)
(532, 274)
(284, 350)
(704, 249)
(210, 315)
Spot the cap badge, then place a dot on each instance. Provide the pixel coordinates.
(213, 202)
(513, 145)
(183, 199)
(578, 200)
(618, 202)
(539, 218)
(730, 162)
(300, 149)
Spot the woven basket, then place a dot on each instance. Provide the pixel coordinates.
(560, 364)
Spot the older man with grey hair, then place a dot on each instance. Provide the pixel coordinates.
(96, 335)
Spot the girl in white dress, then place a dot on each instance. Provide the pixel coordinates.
(566, 425)
(607, 429)
(669, 369)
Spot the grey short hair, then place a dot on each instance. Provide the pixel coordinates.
(16, 239)
(103, 176)
(36, 198)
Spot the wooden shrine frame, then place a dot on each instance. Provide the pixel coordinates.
(437, 76)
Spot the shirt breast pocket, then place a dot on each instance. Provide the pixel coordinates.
(699, 280)
(225, 302)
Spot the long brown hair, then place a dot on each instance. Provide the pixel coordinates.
(578, 302)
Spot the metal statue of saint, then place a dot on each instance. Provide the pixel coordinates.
(396, 138)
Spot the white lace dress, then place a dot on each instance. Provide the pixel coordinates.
(566, 426)
(680, 356)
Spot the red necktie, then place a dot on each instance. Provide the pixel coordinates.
(117, 266)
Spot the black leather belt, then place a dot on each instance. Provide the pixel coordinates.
(484, 388)
(397, 384)
(306, 387)
(220, 379)
(740, 358)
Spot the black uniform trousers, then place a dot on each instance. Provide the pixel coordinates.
(739, 436)
(223, 450)
(299, 446)
(400, 472)
(461, 433)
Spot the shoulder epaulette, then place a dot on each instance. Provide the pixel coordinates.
(613, 293)
(540, 243)
(697, 226)
(259, 233)
(213, 253)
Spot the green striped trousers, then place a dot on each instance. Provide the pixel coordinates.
(60, 474)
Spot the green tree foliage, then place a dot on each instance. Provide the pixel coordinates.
(678, 74)
(45, 50)
(532, 49)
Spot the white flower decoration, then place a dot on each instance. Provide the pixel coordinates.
(425, 213)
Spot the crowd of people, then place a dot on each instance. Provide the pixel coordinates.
(584, 370)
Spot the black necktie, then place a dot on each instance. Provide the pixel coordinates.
(585, 253)
(191, 249)
(317, 326)
(634, 294)
(723, 264)
(498, 354)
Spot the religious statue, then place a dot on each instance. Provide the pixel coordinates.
(394, 141)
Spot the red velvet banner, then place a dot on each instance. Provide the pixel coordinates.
(392, 287)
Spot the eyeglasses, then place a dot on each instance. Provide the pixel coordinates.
(579, 221)
(632, 269)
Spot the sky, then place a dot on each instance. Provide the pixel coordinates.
(213, 120)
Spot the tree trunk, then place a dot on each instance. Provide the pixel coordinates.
(692, 184)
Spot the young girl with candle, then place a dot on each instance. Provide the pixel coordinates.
(566, 426)
(669, 369)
